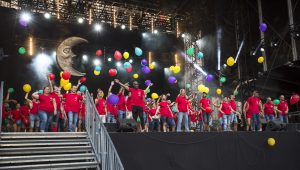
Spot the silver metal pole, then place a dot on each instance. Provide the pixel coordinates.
(262, 35)
(292, 27)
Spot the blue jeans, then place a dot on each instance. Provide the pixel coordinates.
(73, 118)
(34, 120)
(233, 118)
(110, 118)
(46, 119)
(206, 118)
(121, 114)
(284, 118)
(269, 118)
(182, 115)
(226, 121)
(154, 124)
(255, 122)
(200, 126)
(145, 117)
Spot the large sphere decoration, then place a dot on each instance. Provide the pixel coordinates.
(63, 82)
(144, 62)
(148, 82)
(209, 77)
(27, 88)
(82, 79)
(99, 53)
(83, 88)
(230, 61)
(201, 88)
(190, 51)
(176, 69)
(41, 91)
(171, 68)
(126, 65)
(66, 75)
(126, 55)
(219, 91)
(276, 101)
(67, 86)
(147, 91)
(128, 70)
(263, 27)
(135, 76)
(200, 55)
(138, 51)
(260, 59)
(19, 123)
(188, 86)
(206, 90)
(22, 50)
(25, 121)
(208, 110)
(11, 90)
(146, 70)
(51, 76)
(96, 73)
(113, 99)
(271, 141)
(222, 79)
(172, 80)
(294, 99)
(118, 55)
(98, 68)
(154, 96)
(151, 66)
(112, 72)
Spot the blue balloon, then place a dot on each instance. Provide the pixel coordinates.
(113, 99)
(144, 62)
(83, 88)
(138, 51)
(41, 91)
(200, 55)
(98, 68)
(126, 65)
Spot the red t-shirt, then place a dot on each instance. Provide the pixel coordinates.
(254, 104)
(82, 109)
(226, 108)
(152, 112)
(182, 103)
(57, 100)
(25, 110)
(122, 102)
(232, 104)
(3, 112)
(137, 96)
(73, 101)
(16, 114)
(193, 116)
(129, 104)
(205, 103)
(164, 109)
(101, 106)
(283, 106)
(46, 103)
(35, 108)
(269, 109)
(200, 118)
(112, 109)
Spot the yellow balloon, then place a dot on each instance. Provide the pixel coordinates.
(135, 76)
(96, 73)
(154, 95)
(176, 69)
(27, 88)
(219, 91)
(271, 142)
(67, 86)
(206, 90)
(171, 68)
(61, 73)
(230, 61)
(201, 88)
(151, 66)
(63, 82)
(126, 55)
(260, 59)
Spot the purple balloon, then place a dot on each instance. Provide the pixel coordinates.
(23, 22)
(172, 80)
(113, 99)
(148, 82)
(263, 27)
(146, 70)
(209, 77)
(144, 62)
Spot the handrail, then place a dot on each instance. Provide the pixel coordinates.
(1, 103)
(102, 144)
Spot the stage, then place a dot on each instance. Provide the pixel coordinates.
(208, 151)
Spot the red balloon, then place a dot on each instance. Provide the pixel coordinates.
(51, 76)
(82, 79)
(118, 55)
(66, 75)
(128, 70)
(208, 110)
(99, 53)
(25, 121)
(294, 99)
(112, 72)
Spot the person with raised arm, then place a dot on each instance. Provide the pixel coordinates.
(101, 106)
(226, 110)
(34, 118)
(234, 114)
(112, 109)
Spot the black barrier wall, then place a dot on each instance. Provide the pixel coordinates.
(208, 151)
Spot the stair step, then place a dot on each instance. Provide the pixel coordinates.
(44, 134)
(41, 141)
(75, 165)
(44, 144)
(42, 137)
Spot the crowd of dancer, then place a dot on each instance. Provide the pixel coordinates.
(53, 111)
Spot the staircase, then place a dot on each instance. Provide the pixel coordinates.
(52, 150)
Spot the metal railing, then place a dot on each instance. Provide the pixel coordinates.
(102, 144)
(1, 103)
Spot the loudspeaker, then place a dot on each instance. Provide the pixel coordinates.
(126, 125)
(111, 127)
(276, 125)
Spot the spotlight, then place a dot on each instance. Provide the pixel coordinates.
(119, 64)
(155, 32)
(130, 61)
(262, 49)
(96, 62)
(80, 20)
(109, 59)
(123, 27)
(154, 63)
(47, 15)
(25, 16)
(84, 57)
(144, 34)
(97, 27)
(183, 35)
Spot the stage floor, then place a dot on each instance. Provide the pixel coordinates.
(208, 151)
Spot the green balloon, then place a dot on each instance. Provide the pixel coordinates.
(276, 101)
(148, 91)
(190, 51)
(138, 120)
(11, 90)
(236, 93)
(22, 50)
(188, 86)
(223, 79)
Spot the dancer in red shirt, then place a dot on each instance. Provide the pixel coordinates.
(255, 106)
(182, 105)
(269, 110)
(122, 104)
(283, 109)
(33, 116)
(165, 113)
(226, 110)
(16, 113)
(112, 110)
(25, 111)
(204, 104)
(101, 106)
